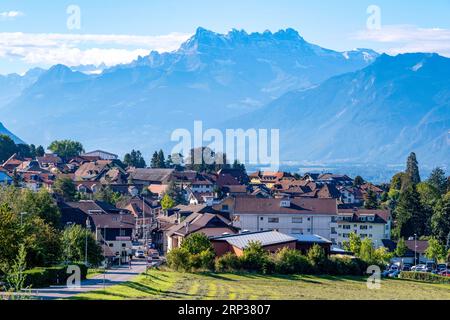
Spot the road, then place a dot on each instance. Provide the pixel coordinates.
(112, 277)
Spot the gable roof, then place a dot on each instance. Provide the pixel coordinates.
(266, 238)
(151, 175)
(198, 221)
(250, 205)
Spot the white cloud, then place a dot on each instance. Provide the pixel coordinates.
(10, 15)
(408, 38)
(77, 49)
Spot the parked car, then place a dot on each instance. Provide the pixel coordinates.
(394, 274)
(419, 268)
(445, 273)
(140, 254)
(442, 267)
(406, 267)
(430, 266)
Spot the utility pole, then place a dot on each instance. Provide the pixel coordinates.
(88, 228)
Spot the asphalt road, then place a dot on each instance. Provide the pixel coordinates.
(112, 277)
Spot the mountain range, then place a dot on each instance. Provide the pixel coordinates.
(4, 131)
(330, 106)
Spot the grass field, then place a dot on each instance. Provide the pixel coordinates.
(161, 285)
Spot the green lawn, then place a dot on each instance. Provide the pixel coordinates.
(171, 285)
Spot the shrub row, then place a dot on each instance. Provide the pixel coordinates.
(425, 277)
(256, 259)
(44, 277)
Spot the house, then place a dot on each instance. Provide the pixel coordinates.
(336, 179)
(373, 224)
(239, 175)
(102, 171)
(36, 180)
(148, 177)
(49, 160)
(145, 211)
(311, 177)
(211, 224)
(416, 251)
(306, 242)
(202, 186)
(113, 227)
(351, 195)
(296, 216)
(198, 197)
(5, 178)
(269, 179)
(271, 241)
(158, 189)
(103, 155)
(12, 163)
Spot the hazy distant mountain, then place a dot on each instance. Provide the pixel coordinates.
(212, 77)
(12, 85)
(376, 115)
(4, 131)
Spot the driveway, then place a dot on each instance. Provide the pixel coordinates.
(111, 277)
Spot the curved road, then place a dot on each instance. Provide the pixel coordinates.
(112, 277)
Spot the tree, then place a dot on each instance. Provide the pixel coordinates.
(106, 194)
(74, 243)
(402, 248)
(167, 202)
(15, 277)
(435, 250)
(206, 160)
(66, 148)
(134, 159)
(400, 181)
(366, 251)
(354, 244)
(40, 152)
(154, 162)
(440, 221)
(7, 148)
(358, 181)
(196, 243)
(412, 168)
(65, 188)
(371, 202)
(161, 159)
(175, 193)
(254, 257)
(24, 150)
(317, 258)
(410, 214)
(438, 180)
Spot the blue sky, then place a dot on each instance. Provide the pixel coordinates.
(118, 31)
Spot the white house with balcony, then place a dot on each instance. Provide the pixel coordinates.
(297, 216)
(373, 224)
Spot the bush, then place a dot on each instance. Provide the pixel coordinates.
(318, 259)
(255, 258)
(425, 277)
(178, 259)
(202, 261)
(228, 263)
(346, 266)
(196, 243)
(290, 261)
(44, 277)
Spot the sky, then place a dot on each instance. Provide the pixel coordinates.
(81, 32)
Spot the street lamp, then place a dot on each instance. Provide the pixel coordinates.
(415, 249)
(88, 228)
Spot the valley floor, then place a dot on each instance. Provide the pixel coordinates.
(161, 285)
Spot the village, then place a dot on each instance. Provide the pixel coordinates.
(147, 212)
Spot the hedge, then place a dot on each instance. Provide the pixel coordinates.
(44, 277)
(425, 277)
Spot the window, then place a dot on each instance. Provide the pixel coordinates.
(333, 219)
(122, 233)
(297, 231)
(346, 227)
(363, 227)
(124, 245)
(333, 230)
(225, 207)
(363, 236)
(297, 220)
(274, 220)
(262, 218)
(111, 245)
